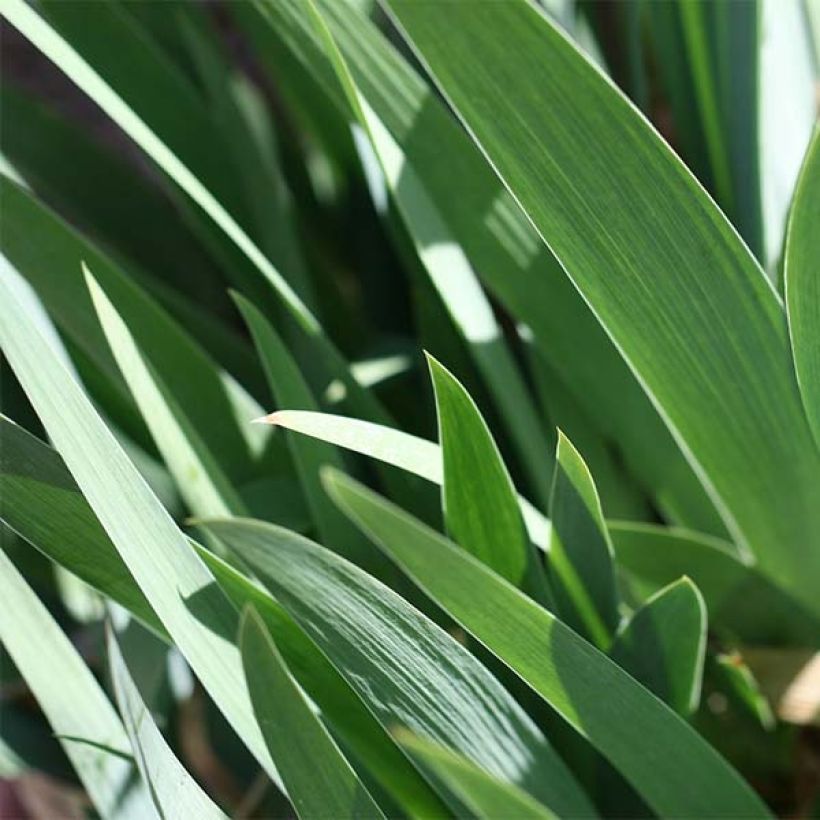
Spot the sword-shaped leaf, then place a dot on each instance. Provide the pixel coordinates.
(675, 771)
(319, 780)
(662, 269)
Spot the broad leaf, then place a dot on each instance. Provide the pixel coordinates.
(663, 645)
(499, 243)
(174, 792)
(581, 563)
(802, 281)
(659, 754)
(319, 780)
(407, 670)
(666, 276)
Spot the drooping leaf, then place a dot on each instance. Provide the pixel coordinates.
(663, 645)
(802, 282)
(486, 796)
(481, 509)
(41, 501)
(407, 670)
(70, 697)
(581, 563)
(42, 504)
(741, 601)
(319, 780)
(659, 754)
(173, 791)
(634, 231)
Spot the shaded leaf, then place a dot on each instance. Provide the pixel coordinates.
(659, 754)
(580, 556)
(318, 778)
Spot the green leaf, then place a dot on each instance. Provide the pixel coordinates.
(485, 221)
(49, 254)
(42, 504)
(411, 453)
(318, 778)
(664, 643)
(486, 796)
(802, 283)
(407, 670)
(179, 587)
(173, 791)
(480, 504)
(46, 507)
(664, 759)
(741, 601)
(581, 563)
(70, 697)
(290, 389)
(449, 271)
(632, 229)
(739, 680)
(203, 485)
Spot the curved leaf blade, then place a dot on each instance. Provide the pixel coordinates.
(319, 780)
(406, 669)
(581, 561)
(663, 645)
(486, 796)
(802, 282)
(659, 754)
(69, 695)
(664, 272)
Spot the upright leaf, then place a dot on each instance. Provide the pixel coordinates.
(290, 389)
(178, 585)
(72, 700)
(501, 246)
(581, 563)
(663, 645)
(407, 670)
(741, 601)
(660, 755)
(319, 780)
(802, 281)
(43, 504)
(173, 791)
(203, 485)
(480, 505)
(665, 274)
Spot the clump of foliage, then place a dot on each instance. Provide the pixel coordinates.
(567, 564)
